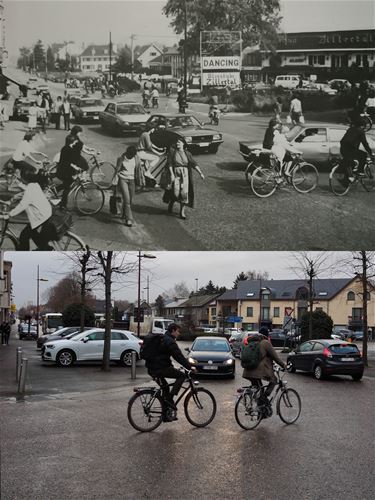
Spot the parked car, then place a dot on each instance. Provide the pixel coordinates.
(88, 346)
(279, 338)
(323, 87)
(21, 108)
(197, 136)
(123, 116)
(58, 335)
(339, 84)
(32, 83)
(324, 357)
(236, 342)
(340, 333)
(87, 109)
(28, 333)
(319, 142)
(356, 336)
(212, 356)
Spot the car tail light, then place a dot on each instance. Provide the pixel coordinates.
(140, 342)
(327, 353)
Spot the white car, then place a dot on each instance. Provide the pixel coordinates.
(89, 345)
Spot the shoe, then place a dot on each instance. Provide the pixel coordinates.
(183, 216)
(351, 179)
(129, 223)
(170, 417)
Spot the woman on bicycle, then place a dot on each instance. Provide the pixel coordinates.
(38, 210)
(281, 147)
(350, 144)
(23, 151)
(80, 148)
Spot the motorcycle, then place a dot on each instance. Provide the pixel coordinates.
(214, 115)
(155, 102)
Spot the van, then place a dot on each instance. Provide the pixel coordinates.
(150, 324)
(287, 81)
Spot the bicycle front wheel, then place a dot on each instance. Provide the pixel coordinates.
(103, 174)
(145, 411)
(8, 242)
(200, 407)
(289, 406)
(89, 199)
(69, 241)
(263, 182)
(368, 182)
(247, 412)
(338, 180)
(304, 177)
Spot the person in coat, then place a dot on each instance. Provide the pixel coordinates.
(264, 370)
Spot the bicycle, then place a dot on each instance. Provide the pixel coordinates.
(339, 177)
(148, 405)
(302, 176)
(102, 173)
(249, 412)
(67, 241)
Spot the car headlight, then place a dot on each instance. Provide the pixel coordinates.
(84, 114)
(124, 124)
(188, 139)
(228, 362)
(51, 346)
(216, 137)
(192, 361)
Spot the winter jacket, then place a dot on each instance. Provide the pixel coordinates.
(268, 354)
(168, 349)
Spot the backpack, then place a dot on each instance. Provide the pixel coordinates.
(150, 348)
(250, 354)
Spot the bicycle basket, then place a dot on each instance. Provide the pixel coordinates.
(61, 220)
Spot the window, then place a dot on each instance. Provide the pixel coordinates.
(307, 346)
(249, 312)
(118, 336)
(276, 312)
(226, 310)
(159, 324)
(265, 313)
(318, 346)
(357, 313)
(312, 135)
(96, 336)
(350, 296)
(213, 311)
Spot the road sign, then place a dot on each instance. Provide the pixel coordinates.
(287, 323)
(13, 308)
(288, 311)
(234, 319)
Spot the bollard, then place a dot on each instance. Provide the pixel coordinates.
(18, 363)
(22, 381)
(134, 360)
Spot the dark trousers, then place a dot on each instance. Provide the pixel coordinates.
(40, 236)
(65, 188)
(67, 121)
(266, 390)
(350, 153)
(170, 372)
(56, 117)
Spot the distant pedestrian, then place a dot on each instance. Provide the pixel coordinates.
(33, 116)
(56, 112)
(296, 110)
(66, 113)
(228, 93)
(2, 331)
(6, 332)
(278, 107)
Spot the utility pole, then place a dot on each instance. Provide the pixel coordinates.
(110, 57)
(132, 51)
(185, 53)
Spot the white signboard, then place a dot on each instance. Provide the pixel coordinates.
(220, 63)
(220, 79)
(298, 59)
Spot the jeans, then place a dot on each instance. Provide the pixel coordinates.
(257, 382)
(127, 189)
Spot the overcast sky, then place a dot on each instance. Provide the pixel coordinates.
(164, 272)
(91, 20)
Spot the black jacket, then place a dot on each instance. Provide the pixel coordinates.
(353, 138)
(168, 349)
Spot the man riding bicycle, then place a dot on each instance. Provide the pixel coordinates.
(349, 147)
(160, 366)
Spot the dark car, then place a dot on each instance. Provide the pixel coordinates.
(21, 108)
(279, 338)
(356, 336)
(123, 116)
(212, 356)
(196, 135)
(27, 332)
(324, 357)
(58, 335)
(236, 342)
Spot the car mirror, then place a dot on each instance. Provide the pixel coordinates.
(85, 339)
(187, 349)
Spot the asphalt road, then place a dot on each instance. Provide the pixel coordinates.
(227, 215)
(69, 438)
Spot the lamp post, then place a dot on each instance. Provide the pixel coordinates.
(185, 53)
(196, 299)
(140, 257)
(37, 301)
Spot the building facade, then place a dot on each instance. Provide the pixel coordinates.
(3, 51)
(97, 58)
(149, 54)
(5, 288)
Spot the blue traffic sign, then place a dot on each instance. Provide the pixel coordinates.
(234, 319)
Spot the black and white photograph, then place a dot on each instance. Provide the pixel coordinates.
(187, 125)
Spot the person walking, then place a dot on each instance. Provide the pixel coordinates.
(66, 113)
(296, 109)
(33, 116)
(181, 165)
(2, 114)
(56, 112)
(278, 108)
(127, 166)
(6, 332)
(2, 331)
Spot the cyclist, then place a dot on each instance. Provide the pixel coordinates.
(25, 150)
(80, 147)
(160, 366)
(281, 148)
(349, 147)
(264, 370)
(67, 168)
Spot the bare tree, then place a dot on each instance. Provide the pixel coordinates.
(179, 291)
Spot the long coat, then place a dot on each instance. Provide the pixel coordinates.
(268, 354)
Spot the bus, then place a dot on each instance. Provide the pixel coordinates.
(51, 322)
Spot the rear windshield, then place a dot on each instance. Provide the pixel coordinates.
(130, 109)
(344, 349)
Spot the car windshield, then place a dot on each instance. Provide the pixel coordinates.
(344, 349)
(293, 132)
(130, 109)
(184, 121)
(91, 102)
(211, 345)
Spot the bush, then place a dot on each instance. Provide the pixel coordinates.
(322, 325)
(128, 84)
(71, 315)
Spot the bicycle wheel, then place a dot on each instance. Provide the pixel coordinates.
(89, 199)
(338, 180)
(368, 123)
(247, 412)
(263, 182)
(249, 171)
(103, 174)
(368, 182)
(289, 406)
(145, 411)
(304, 177)
(70, 242)
(200, 407)
(8, 242)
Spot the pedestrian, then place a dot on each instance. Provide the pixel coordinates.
(128, 167)
(6, 332)
(370, 104)
(33, 116)
(2, 114)
(228, 93)
(181, 165)
(56, 112)
(66, 113)
(155, 97)
(295, 111)
(278, 108)
(2, 331)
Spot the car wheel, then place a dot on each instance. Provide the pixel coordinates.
(357, 376)
(318, 372)
(126, 358)
(65, 358)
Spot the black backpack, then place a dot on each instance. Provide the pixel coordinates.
(151, 346)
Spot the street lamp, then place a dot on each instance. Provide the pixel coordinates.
(140, 257)
(196, 299)
(37, 301)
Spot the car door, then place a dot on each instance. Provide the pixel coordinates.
(92, 346)
(109, 114)
(300, 359)
(313, 142)
(315, 353)
(118, 344)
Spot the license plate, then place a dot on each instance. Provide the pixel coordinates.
(96, 117)
(210, 367)
(204, 144)
(347, 359)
